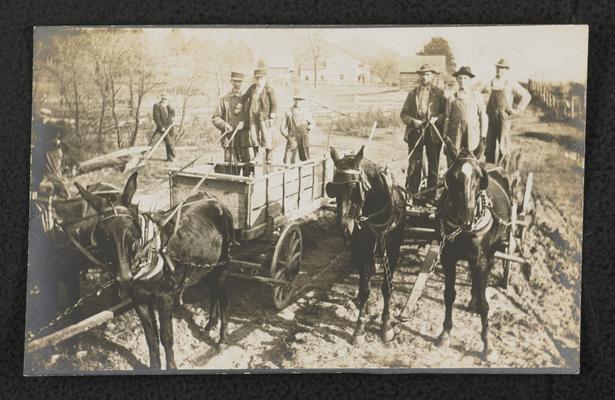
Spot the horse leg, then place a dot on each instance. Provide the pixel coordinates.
(151, 334)
(223, 307)
(358, 337)
(475, 291)
(214, 307)
(392, 255)
(450, 272)
(165, 310)
(483, 307)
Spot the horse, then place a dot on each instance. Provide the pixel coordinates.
(473, 213)
(55, 261)
(371, 212)
(195, 237)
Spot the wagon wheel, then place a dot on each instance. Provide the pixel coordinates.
(511, 247)
(527, 209)
(286, 264)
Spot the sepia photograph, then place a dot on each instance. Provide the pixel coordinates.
(378, 199)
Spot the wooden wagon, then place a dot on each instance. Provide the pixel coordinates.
(265, 206)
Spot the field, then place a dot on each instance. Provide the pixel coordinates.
(534, 323)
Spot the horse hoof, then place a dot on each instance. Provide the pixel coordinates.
(473, 306)
(388, 335)
(221, 347)
(443, 340)
(358, 340)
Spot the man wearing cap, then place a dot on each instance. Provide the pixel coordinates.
(465, 119)
(259, 106)
(298, 123)
(229, 121)
(423, 114)
(47, 156)
(163, 118)
(500, 109)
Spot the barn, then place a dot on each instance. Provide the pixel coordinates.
(408, 78)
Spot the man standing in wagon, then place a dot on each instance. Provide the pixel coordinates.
(423, 114)
(465, 118)
(500, 109)
(298, 123)
(235, 142)
(259, 105)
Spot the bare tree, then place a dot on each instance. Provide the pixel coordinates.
(316, 44)
(144, 80)
(386, 67)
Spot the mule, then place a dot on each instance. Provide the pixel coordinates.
(473, 212)
(55, 262)
(371, 212)
(195, 237)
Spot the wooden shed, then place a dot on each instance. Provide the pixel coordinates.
(408, 78)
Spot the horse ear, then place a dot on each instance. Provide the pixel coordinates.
(96, 202)
(334, 154)
(129, 189)
(484, 178)
(359, 156)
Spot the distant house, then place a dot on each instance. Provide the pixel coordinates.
(338, 69)
(281, 69)
(408, 77)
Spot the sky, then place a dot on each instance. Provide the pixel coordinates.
(544, 52)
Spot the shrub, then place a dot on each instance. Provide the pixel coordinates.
(360, 123)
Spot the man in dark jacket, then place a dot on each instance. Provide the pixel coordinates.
(236, 144)
(47, 176)
(163, 118)
(259, 106)
(423, 113)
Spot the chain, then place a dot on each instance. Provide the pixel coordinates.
(385, 264)
(96, 293)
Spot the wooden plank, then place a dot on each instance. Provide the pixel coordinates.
(421, 280)
(80, 327)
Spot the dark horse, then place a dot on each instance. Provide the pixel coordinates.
(371, 211)
(55, 261)
(195, 237)
(473, 214)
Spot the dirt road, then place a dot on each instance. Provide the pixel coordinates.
(534, 323)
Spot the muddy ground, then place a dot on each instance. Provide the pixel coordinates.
(535, 323)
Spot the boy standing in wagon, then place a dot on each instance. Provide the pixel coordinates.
(298, 123)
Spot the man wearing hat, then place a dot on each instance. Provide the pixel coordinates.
(423, 114)
(163, 118)
(47, 155)
(259, 106)
(298, 123)
(465, 119)
(229, 122)
(500, 109)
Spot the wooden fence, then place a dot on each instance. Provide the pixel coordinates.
(563, 101)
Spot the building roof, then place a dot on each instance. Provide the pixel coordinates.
(412, 63)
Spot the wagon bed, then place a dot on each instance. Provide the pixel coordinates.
(263, 201)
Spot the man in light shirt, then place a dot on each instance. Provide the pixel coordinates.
(501, 108)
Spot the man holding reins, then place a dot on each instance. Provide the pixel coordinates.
(423, 114)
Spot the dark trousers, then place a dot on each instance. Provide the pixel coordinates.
(415, 164)
(296, 145)
(169, 141)
(498, 138)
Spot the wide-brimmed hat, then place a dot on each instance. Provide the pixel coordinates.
(503, 63)
(237, 76)
(260, 72)
(426, 68)
(298, 95)
(464, 70)
(163, 96)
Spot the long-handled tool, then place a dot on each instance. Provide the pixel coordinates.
(135, 163)
(371, 135)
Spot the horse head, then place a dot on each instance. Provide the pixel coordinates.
(347, 188)
(464, 180)
(117, 232)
